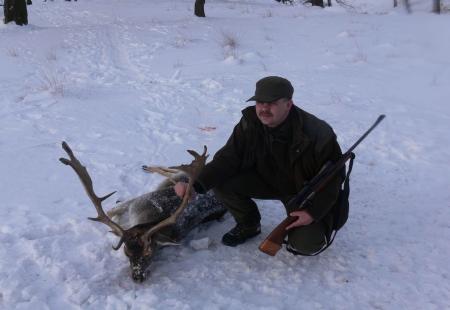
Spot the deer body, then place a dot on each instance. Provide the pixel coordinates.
(145, 211)
(155, 219)
(155, 206)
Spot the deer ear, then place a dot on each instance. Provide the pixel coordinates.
(162, 240)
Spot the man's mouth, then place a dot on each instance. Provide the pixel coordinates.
(262, 114)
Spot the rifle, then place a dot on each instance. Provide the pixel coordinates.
(272, 244)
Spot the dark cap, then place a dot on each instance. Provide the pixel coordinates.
(272, 88)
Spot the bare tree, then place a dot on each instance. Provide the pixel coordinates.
(345, 4)
(407, 6)
(199, 8)
(15, 10)
(437, 6)
(315, 2)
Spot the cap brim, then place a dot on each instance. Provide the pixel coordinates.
(251, 99)
(267, 99)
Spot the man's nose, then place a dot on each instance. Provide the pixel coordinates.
(266, 105)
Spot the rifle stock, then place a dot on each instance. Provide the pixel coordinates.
(273, 242)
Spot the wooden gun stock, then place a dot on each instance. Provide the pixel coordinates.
(272, 244)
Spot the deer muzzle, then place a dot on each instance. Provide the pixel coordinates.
(139, 268)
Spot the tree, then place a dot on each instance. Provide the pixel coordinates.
(316, 2)
(199, 8)
(437, 6)
(15, 10)
(407, 5)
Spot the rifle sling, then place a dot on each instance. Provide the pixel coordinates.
(345, 192)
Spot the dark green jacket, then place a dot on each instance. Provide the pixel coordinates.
(285, 157)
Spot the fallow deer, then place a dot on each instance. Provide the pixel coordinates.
(154, 219)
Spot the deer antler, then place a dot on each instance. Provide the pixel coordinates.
(192, 170)
(167, 172)
(86, 180)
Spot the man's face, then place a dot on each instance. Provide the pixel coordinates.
(273, 113)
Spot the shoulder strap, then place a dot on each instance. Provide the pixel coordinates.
(346, 189)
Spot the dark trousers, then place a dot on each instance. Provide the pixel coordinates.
(237, 194)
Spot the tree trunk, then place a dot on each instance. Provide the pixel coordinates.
(15, 10)
(317, 3)
(437, 6)
(407, 6)
(199, 9)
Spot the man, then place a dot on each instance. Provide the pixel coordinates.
(273, 151)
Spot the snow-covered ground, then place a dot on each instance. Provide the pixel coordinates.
(136, 82)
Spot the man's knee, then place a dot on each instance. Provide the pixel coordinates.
(241, 207)
(307, 239)
(305, 248)
(225, 192)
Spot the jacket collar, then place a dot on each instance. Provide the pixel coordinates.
(300, 141)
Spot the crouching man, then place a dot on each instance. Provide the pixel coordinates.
(272, 152)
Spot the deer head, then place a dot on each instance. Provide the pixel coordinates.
(140, 241)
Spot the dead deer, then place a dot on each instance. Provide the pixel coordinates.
(154, 219)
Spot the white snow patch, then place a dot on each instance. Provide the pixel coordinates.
(200, 244)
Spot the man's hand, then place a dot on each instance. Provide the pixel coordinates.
(180, 190)
(303, 218)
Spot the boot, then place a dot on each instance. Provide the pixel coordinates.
(240, 233)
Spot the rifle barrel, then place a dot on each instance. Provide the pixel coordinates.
(379, 119)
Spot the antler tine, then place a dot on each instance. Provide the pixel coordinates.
(196, 166)
(192, 170)
(166, 172)
(86, 181)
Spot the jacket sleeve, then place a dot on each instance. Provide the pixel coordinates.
(324, 200)
(226, 162)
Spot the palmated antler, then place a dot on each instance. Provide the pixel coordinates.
(192, 170)
(86, 180)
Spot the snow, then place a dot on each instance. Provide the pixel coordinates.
(128, 83)
(200, 244)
